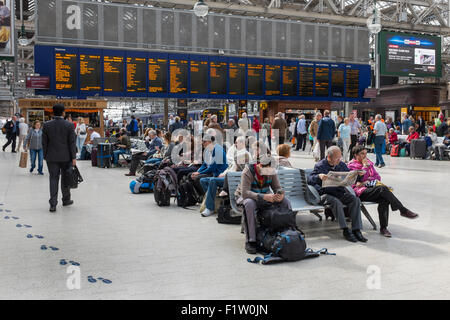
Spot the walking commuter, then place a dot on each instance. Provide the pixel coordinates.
(59, 146)
(326, 133)
(381, 138)
(12, 131)
(301, 133)
(23, 131)
(81, 134)
(344, 135)
(280, 124)
(33, 142)
(133, 127)
(244, 123)
(355, 130)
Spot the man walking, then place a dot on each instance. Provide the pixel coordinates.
(280, 124)
(301, 133)
(380, 131)
(60, 151)
(12, 131)
(355, 128)
(326, 133)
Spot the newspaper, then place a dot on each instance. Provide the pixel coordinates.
(341, 179)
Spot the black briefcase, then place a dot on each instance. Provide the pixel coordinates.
(73, 177)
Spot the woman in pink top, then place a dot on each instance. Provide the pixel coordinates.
(367, 190)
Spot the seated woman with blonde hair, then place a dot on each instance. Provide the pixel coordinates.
(284, 153)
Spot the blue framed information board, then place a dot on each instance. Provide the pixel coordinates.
(84, 72)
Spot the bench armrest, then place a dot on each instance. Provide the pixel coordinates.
(314, 196)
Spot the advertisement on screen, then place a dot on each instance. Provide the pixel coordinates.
(6, 26)
(410, 55)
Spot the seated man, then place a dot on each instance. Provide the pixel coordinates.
(89, 143)
(153, 147)
(369, 188)
(124, 146)
(337, 197)
(440, 149)
(214, 162)
(254, 192)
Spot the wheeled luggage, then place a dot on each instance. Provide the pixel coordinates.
(418, 149)
(104, 155)
(94, 157)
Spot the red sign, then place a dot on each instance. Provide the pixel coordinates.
(35, 82)
(370, 93)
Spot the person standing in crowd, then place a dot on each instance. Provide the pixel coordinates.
(231, 125)
(370, 188)
(314, 128)
(33, 142)
(59, 146)
(292, 126)
(355, 130)
(268, 131)
(176, 125)
(12, 131)
(23, 131)
(140, 126)
(256, 126)
(133, 127)
(171, 120)
(280, 124)
(214, 124)
(124, 124)
(244, 123)
(337, 197)
(325, 133)
(81, 134)
(190, 125)
(301, 133)
(344, 134)
(406, 123)
(421, 126)
(381, 137)
(389, 123)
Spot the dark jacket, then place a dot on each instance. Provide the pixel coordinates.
(175, 126)
(9, 126)
(324, 167)
(327, 129)
(59, 140)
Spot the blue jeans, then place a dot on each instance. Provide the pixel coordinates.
(210, 185)
(40, 154)
(80, 142)
(117, 153)
(153, 160)
(379, 141)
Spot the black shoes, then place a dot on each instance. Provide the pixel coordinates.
(250, 247)
(52, 208)
(359, 236)
(68, 203)
(349, 236)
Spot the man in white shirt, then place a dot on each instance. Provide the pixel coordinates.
(92, 135)
(23, 131)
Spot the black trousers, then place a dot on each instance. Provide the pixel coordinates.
(324, 144)
(354, 141)
(196, 182)
(55, 170)
(11, 139)
(135, 159)
(281, 140)
(384, 198)
(301, 141)
(184, 171)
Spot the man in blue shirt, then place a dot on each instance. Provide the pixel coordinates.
(406, 123)
(301, 133)
(381, 135)
(326, 133)
(12, 131)
(154, 145)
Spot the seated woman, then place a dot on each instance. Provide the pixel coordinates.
(254, 191)
(163, 153)
(284, 153)
(393, 138)
(412, 136)
(369, 188)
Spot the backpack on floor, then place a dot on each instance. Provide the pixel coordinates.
(143, 184)
(186, 195)
(165, 184)
(224, 214)
(277, 219)
(395, 150)
(288, 245)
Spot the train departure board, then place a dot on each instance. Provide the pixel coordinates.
(199, 77)
(157, 75)
(136, 74)
(289, 80)
(273, 85)
(178, 76)
(218, 77)
(255, 79)
(113, 73)
(90, 72)
(322, 81)
(352, 81)
(237, 78)
(306, 87)
(337, 83)
(66, 71)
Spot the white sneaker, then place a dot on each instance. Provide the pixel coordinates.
(207, 213)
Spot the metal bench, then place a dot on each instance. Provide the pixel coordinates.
(313, 196)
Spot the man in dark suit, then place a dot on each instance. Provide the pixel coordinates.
(59, 144)
(326, 133)
(12, 131)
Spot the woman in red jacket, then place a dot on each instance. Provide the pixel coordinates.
(256, 126)
(413, 135)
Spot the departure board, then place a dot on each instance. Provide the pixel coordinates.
(306, 88)
(113, 73)
(157, 75)
(273, 85)
(178, 76)
(352, 81)
(136, 74)
(66, 71)
(337, 83)
(218, 77)
(90, 72)
(199, 77)
(255, 79)
(237, 78)
(322, 81)
(289, 80)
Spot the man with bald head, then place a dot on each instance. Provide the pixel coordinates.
(337, 197)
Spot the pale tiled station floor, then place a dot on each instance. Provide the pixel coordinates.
(170, 253)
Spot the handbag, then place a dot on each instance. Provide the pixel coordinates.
(23, 159)
(73, 177)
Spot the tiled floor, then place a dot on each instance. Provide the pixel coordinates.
(163, 253)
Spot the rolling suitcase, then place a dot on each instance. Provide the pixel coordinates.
(94, 157)
(104, 155)
(418, 149)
